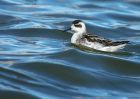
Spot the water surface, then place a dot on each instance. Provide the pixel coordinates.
(37, 60)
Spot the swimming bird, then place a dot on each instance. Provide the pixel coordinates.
(81, 37)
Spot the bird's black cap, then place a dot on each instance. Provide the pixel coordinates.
(76, 21)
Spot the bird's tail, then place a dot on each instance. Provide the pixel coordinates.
(121, 42)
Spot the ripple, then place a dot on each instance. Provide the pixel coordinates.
(11, 94)
(38, 61)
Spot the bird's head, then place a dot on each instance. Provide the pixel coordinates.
(77, 26)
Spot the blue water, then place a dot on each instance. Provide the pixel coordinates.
(37, 60)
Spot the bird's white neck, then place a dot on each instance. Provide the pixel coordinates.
(76, 37)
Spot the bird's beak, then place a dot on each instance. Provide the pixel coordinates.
(67, 30)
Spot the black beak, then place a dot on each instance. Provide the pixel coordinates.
(67, 30)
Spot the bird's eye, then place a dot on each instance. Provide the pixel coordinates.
(78, 25)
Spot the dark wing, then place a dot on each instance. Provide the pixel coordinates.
(106, 42)
(120, 42)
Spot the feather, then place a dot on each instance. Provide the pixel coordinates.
(105, 42)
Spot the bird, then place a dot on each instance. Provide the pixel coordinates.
(81, 37)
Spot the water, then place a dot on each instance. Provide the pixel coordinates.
(37, 60)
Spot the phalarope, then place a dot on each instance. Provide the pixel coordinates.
(81, 37)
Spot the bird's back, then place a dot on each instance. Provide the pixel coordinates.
(100, 43)
(105, 42)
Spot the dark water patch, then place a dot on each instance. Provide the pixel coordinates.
(3, 2)
(99, 61)
(123, 66)
(14, 74)
(95, 79)
(134, 48)
(37, 32)
(15, 94)
(8, 21)
(56, 71)
(67, 16)
(90, 6)
(127, 18)
(34, 86)
(5, 19)
(133, 2)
